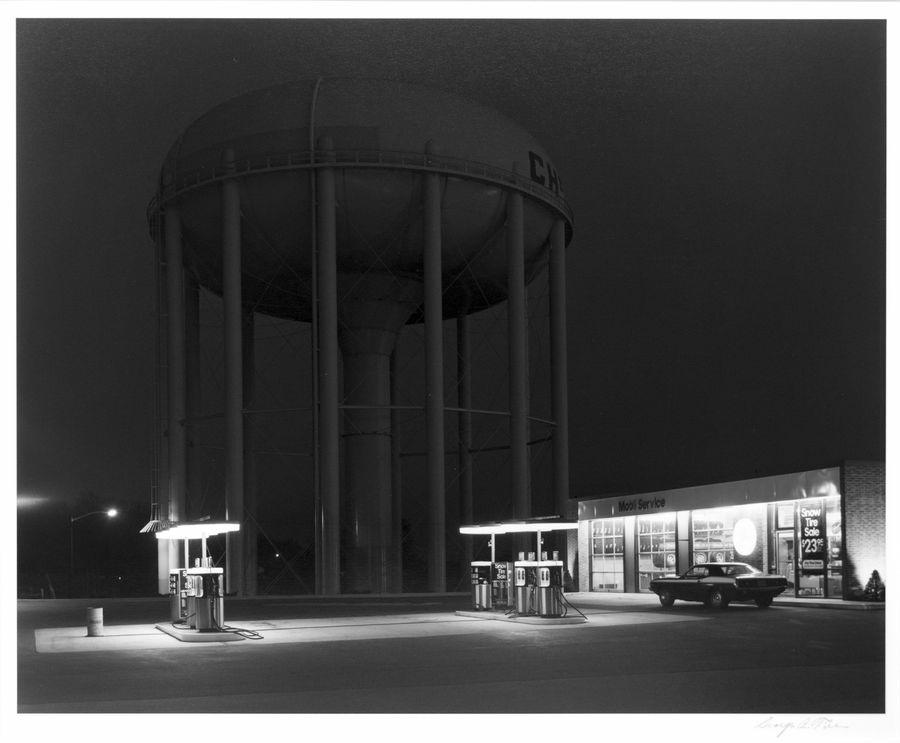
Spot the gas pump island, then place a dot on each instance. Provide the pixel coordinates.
(531, 587)
(197, 593)
(527, 589)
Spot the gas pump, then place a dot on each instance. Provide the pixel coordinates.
(525, 580)
(197, 594)
(532, 584)
(207, 588)
(549, 588)
(178, 594)
(482, 579)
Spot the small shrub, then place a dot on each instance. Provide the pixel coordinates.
(874, 588)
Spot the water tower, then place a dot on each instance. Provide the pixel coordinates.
(358, 206)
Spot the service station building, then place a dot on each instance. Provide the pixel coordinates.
(824, 530)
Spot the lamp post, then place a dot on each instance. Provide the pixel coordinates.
(111, 512)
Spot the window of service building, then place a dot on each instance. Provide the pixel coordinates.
(730, 534)
(608, 555)
(819, 560)
(656, 547)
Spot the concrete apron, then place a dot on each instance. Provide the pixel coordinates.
(602, 610)
(502, 616)
(154, 637)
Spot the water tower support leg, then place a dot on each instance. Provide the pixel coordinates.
(176, 376)
(329, 422)
(249, 528)
(559, 367)
(396, 482)
(234, 415)
(520, 481)
(434, 394)
(193, 492)
(464, 402)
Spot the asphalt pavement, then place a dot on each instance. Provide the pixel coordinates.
(414, 654)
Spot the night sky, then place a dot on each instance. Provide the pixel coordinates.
(726, 281)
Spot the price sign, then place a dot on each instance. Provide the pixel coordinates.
(811, 516)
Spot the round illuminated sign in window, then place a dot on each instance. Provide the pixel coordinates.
(744, 537)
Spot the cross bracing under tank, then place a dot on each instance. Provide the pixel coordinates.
(283, 339)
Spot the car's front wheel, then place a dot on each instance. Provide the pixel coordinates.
(716, 599)
(764, 602)
(666, 598)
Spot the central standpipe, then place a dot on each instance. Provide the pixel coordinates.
(364, 326)
(374, 306)
(371, 313)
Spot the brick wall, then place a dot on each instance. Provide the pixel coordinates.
(864, 522)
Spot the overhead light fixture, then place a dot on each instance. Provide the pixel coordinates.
(200, 530)
(518, 527)
(152, 526)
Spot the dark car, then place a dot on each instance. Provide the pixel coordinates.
(717, 584)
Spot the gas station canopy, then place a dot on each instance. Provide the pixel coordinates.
(513, 527)
(197, 530)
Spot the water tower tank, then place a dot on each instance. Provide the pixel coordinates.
(379, 131)
(378, 140)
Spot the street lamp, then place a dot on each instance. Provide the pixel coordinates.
(111, 512)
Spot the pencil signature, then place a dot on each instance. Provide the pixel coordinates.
(780, 727)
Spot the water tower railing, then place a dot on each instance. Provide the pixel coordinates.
(412, 161)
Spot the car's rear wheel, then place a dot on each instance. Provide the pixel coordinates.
(715, 599)
(764, 602)
(666, 598)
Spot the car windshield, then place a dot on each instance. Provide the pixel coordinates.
(739, 570)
